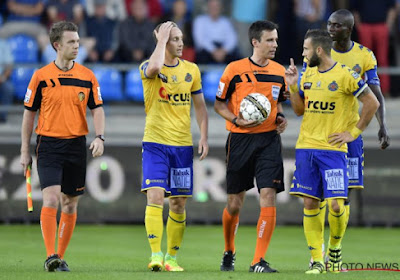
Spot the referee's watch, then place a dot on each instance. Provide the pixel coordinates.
(101, 137)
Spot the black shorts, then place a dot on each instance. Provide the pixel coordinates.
(254, 155)
(62, 162)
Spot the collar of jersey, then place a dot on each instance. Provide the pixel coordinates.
(352, 45)
(172, 65)
(328, 69)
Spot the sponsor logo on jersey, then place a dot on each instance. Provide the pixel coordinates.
(163, 77)
(177, 97)
(320, 105)
(333, 86)
(307, 85)
(174, 78)
(99, 94)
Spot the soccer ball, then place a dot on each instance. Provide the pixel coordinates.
(255, 107)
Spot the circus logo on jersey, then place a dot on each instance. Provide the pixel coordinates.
(81, 96)
(178, 98)
(357, 68)
(188, 78)
(333, 86)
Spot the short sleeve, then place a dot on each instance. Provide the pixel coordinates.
(33, 95)
(353, 83)
(196, 86)
(224, 89)
(95, 99)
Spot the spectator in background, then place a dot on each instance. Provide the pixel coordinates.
(309, 15)
(244, 15)
(73, 11)
(136, 34)
(215, 38)
(64, 10)
(374, 20)
(154, 9)
(24, 17)
(180, 15)
(115, 9)
(6, 86)
(105, 31)
(167, 6)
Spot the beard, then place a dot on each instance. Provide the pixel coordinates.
(314, 61)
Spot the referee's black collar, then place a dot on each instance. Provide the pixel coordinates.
(258, 64)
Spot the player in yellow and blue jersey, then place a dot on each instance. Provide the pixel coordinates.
(170, 84)
(362, 61)
(325, 97)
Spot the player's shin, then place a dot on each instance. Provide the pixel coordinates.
(313, 233)
(337, 221)
(154, 226)
(176, 225)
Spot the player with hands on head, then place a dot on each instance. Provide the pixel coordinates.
(169, 85)
(325, 96)
(61, 91)
(253, 149)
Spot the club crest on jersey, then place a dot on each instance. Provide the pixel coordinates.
(188, 78)
(307, 85)
(163, 77)
(81, 96)
(333, 86)
(357, 68)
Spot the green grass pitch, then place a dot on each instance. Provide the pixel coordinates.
(121, 252)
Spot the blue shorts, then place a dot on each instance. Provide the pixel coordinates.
(167, 167)
(320, 174)
(355, 157)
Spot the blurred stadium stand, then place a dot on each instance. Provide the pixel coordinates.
(20, 78)
(24, 49)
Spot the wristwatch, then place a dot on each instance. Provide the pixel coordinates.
(234, 121)
(101, 137)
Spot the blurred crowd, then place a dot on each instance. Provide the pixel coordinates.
(215, 31)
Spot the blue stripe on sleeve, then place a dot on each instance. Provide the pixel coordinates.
(197, 91)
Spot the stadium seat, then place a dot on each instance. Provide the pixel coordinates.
(20, 78)
(134, 86)
(24, 49)
(110, 81)
(210, 80)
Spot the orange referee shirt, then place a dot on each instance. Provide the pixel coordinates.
(243, 77)
(61, 98)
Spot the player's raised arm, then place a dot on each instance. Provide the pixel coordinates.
(292, 77)
(157, 58)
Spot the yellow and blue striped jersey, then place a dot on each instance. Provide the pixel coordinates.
(167, 99)
(329, 96)
(362, 60)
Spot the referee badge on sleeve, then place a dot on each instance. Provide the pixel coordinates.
(99, 94)
(28, 95)
(81, 96)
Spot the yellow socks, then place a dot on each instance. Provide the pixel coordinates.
(176, 225)
(337, 223)
(321, 216)
(313, 233)
(154, 226)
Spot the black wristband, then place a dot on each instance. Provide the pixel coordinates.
(279, 114)
(101, 137)
(234, 121)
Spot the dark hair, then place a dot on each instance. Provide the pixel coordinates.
(320, 38)
(345, 16)
(257, 27)
(58, 28)
(158, 28)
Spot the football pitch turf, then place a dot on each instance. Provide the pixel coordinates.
(122, 252)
